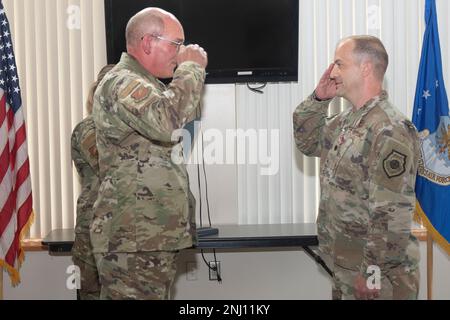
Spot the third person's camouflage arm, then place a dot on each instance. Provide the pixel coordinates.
(84, 147)
(76, 155)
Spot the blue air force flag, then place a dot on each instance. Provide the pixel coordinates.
(431, 117)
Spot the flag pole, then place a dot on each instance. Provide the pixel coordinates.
(429, 266)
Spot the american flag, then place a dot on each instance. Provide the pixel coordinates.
(16, 211)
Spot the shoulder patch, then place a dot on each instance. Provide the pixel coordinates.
(140, 93)
(128, 89)
(394, 164)
(93, 152)
(393, 168)
(89, 145)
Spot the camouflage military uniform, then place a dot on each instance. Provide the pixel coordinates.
(368, 163)
(143, 203)
(85, 158)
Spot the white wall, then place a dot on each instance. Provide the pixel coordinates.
(218, 113)
(265, 274)
(42, 277)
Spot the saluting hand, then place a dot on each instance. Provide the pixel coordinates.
(326, 89)
(193, 52)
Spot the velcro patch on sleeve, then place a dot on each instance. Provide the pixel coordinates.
(89, 146)
(125, 92)
(89, 140)
(395, 159)
(394, 164)
(140, 93)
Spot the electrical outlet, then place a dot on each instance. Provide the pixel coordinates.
(213, 271)
(191, 271)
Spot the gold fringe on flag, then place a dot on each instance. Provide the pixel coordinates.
(12, 271)
(421, 217)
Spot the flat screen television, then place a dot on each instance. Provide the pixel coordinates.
(246, 40)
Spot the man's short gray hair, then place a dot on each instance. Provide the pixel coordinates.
(372, 48)
(148, 20)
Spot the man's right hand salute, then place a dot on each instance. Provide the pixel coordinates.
(326, 89)
(193, 52)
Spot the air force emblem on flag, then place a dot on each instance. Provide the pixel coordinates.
(434, 163)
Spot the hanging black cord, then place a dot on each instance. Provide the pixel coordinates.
(199, 194)
(206, 183)
(258, 88)
(219, 278)
(216, 269)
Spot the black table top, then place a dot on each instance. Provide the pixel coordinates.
(229, 236)
(261, 235)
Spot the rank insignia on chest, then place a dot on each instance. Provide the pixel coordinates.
(394, 164)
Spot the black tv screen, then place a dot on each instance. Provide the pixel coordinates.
(246, 40)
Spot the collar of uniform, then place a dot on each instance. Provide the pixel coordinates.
(375, 100)
(372, 103)
(355, 117)
(131, 63)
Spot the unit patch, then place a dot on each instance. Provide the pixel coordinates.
(394, 164)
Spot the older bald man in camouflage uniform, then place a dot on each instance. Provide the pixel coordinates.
(368, 163)
(142, 216)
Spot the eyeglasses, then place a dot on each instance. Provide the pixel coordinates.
(177, 44)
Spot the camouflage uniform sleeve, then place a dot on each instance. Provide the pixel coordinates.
(392, 172)
(309, 120)
(155, 114)
(76, 152)
(84, 146)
